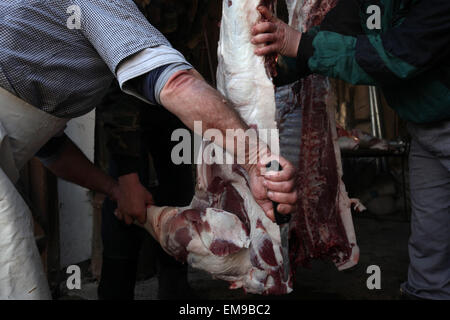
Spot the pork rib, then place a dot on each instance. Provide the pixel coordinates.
(323, 227)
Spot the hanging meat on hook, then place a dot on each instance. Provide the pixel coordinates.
(224, 231)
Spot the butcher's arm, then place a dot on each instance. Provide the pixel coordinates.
(187, 95)
(190, 98)
(182, 91)
(64, 159)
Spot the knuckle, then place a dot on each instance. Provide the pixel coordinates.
(292, 184)
(282, 209)
(294, 198)
(288, 188)
(288, 199)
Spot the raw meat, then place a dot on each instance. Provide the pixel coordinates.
(224, 231)
(323, 227)
(242, 77)
(358, 139)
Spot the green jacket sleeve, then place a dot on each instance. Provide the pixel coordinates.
(402, 52)
(333, 55)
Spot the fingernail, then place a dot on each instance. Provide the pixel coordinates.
(270, 193)
(264, 183)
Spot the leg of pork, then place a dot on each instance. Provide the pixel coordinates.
(212, 240)
(230, 246)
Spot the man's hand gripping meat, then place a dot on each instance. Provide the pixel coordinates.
(190, 98)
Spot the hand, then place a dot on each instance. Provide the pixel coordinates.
(274, 36)
(274, 186)
(132, 199)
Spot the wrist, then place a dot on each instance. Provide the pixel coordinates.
(296, 43)
(256, 154)
(293, 39)
(251, 169)
(130, 178)
(112, 190)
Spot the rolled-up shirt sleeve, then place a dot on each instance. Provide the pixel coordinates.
(148, 61)
(128, 43)
(117, 29)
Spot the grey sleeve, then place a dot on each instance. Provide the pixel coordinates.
(165, 76)
(151, 84)
(145, 62)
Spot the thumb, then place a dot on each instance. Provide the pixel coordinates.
(149, 199)
(128, 219)
(268, 209)
(265, 13)
(142, 216)
(148, 203)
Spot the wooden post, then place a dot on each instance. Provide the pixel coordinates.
(42, 197)
(97, 247)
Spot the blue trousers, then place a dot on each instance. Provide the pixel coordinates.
(429, 243)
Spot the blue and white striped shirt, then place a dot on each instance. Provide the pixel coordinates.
(64, 71)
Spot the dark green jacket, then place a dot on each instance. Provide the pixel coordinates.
(409, 58)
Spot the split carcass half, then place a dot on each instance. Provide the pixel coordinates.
(224, 231)
(323, 226)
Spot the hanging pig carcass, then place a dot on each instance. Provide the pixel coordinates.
(224, 231)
